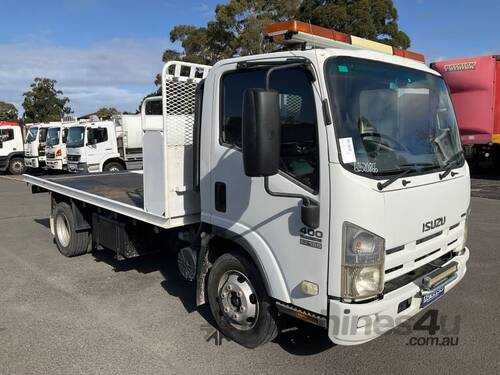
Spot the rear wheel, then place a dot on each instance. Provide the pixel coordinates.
(69, 242)
(16, 166)
(239, 302)
(113, 167)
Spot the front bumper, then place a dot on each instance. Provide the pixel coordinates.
(33, 162)
(352, 324)
(55, 164)
(77, 167)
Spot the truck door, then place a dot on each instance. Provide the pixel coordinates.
(98, 146)
(271, 225)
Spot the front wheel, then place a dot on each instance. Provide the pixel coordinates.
(113, 167)
(17, 166)
(239, 302)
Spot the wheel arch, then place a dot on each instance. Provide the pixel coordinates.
(112, 160)
(224, 240)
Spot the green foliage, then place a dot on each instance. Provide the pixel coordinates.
(8, 112)
(43, 102)
(370, 19)
(237, 27)
(106, 113)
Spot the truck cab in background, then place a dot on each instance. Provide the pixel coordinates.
(109, 146)
(11, 148)
(34, 147)
(56, 145)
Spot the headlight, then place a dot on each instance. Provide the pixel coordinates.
(362, 263)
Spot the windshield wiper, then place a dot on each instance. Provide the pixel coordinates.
(452, 163)
(404, 172)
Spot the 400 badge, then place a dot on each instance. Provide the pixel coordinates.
(311, 237)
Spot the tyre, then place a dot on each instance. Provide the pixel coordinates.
(239, 303)
(17, 166)
(113, 167)
(69, 242)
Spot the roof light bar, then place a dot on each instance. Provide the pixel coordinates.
(300, 32)
(9, 123)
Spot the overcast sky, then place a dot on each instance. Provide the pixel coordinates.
(107, 52)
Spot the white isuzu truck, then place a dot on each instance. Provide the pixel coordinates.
(326, 183)
(109, 146)
(34, 146)
(11, 147)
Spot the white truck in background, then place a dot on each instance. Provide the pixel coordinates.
(108, 146)
(55, 150)
(11, 147)
(34, 146)
(325, 183)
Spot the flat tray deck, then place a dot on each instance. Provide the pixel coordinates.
(124, 187)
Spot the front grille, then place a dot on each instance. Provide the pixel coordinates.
(73, 157)
(51, 155)
(406, 258)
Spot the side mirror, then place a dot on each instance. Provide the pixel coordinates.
(309, 212)
(261, 132)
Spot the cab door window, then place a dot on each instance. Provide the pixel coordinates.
(6, 135)
(97, 135)
(299, 141)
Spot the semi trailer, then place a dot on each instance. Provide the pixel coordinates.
(325, 181)
(109, 146)
(474, 84)
(11, 148)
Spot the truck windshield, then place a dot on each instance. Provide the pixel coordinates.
(53, 136)
(76, 136)
(390, 118)
(32, 133)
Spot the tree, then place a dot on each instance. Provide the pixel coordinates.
(43, 103)
(8, 112)
(238, 25)
(106, 113)
(371, 19)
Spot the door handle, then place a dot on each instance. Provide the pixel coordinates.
(220, 196)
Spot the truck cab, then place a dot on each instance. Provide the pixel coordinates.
(109, 146)
(11, 148)
(56, 153)
(90, 145)
(34, 146)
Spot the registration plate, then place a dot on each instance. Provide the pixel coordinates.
(431, 297)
